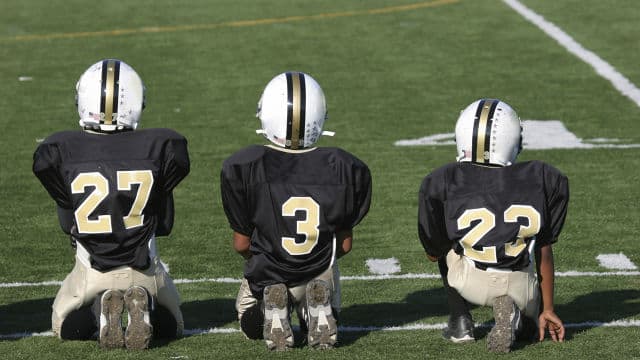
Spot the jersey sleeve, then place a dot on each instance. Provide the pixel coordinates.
(46, 163)
(176, 165)
(431, 225)
(362, 194)
(234, 200)
(165, 215)
(557, 199)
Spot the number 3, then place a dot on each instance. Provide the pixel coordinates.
(307, 227)
(488, 222)
(135, 218)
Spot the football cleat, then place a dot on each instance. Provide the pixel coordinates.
(322, 325)
(292, 110)
(111, 307)
(459, 329)
(110, 97)
(488, 132)
(507, 317)
(277, 331)
(139, 329)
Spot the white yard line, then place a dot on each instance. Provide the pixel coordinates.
(410, 327)
(343, 278)
(602, 68)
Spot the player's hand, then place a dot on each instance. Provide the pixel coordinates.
(432, 258)
(549, 321)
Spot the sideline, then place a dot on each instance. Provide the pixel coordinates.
(602, 68)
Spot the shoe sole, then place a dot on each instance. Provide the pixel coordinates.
(501, 337)
(111, 307)
(323, 329)
(139, 329)
(462, 340)
(277, 331)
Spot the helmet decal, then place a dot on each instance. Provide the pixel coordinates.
(482, 127)
(296, 103)
(109, 95)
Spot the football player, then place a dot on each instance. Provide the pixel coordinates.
(292, 208)
(113, 188)
(484, 219)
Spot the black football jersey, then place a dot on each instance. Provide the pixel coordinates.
(491, 214)
(118, 188)
(291, 205)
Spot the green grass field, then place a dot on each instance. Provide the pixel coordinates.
(391, 70)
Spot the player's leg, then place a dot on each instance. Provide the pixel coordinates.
(139, 329)
(166, 315)
(507, 321)
(277, 331)
(460, 325)
(524, 290)
(110, 306)
(250, 312)
(82, 306)
(318, 305)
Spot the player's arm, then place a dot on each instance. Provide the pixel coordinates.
(242, 244)
(548, 320)
(344, 239)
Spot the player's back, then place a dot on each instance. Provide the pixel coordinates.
(114, 184)
(493, 213)
(295, 202)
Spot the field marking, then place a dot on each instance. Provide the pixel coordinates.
(228, 24)
(409, 327)
(536, 135)
(602, 68)
(570, 273)
(616, 261)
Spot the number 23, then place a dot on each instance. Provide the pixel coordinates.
(488, 222)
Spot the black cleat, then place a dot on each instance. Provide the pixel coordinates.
(459, 329)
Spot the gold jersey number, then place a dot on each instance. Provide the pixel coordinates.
(307, 227)
(100, 185)
(487, 221)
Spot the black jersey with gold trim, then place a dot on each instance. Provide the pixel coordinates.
(118, 188)
(491, 214)
(291, 204)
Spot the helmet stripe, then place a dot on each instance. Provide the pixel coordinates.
(482, 130)
(296, 94)
(474, 140)
(287, 143)
(109, 93)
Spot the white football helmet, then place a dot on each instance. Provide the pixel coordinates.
(292, 110)
(110, 97)
(488, 132)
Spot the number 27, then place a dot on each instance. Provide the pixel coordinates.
(125, 180)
